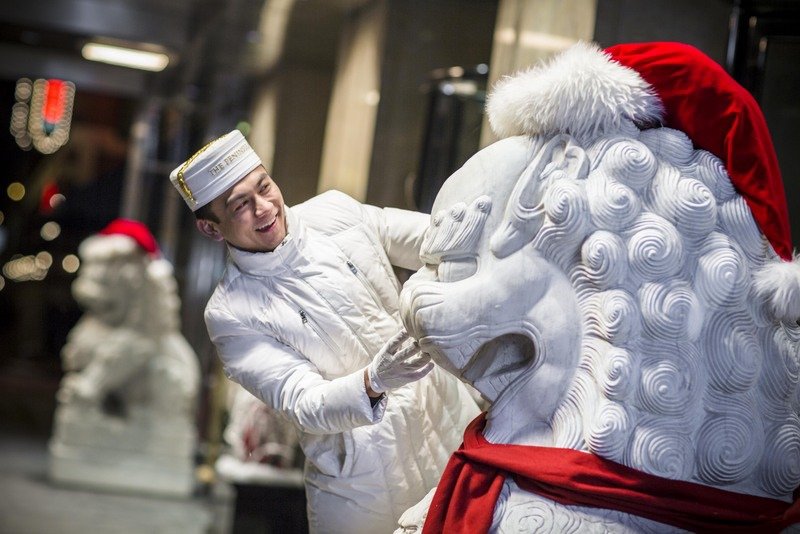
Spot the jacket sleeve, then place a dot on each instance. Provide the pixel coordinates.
(400, 232)
(286, 381)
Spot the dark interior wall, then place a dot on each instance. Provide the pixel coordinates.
(764, 58)
(420, 36)
(778, 100)
(702, 23)
(304, 78)
(302, 112)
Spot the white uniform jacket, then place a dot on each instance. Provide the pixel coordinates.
(297, 326)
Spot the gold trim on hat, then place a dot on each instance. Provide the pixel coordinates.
(181, 182)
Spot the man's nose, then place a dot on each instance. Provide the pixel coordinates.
(263, 206)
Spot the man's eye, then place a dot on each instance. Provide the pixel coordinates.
(240, 205)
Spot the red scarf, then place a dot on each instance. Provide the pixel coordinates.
(474, 476)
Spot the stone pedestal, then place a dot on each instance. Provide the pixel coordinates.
(146, 456)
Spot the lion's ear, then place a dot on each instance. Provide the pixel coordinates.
(524, 215)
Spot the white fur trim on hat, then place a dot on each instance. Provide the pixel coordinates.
(213, 169)
(581, 92)
(105, 247)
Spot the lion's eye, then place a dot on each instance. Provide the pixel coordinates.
(455, 270)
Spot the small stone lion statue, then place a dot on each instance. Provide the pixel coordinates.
(125, 416)
(605, 286)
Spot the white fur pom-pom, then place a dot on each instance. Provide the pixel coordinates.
(582, 92)
(778, 285)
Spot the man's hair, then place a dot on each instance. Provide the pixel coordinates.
(205, 212)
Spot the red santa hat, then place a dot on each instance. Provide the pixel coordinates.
(134, 230)
(719, 116)
(588, 92)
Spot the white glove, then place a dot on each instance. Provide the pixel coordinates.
(399, 362)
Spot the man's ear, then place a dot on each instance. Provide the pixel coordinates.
(209, 229)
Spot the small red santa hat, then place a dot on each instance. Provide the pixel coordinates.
(588, 92)
(136, 231)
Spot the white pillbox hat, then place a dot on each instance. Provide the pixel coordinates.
(213, 169)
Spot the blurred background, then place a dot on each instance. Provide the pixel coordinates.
(382, 99)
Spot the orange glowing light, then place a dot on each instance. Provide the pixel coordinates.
(54, 100)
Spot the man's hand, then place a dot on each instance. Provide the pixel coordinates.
(399, 362)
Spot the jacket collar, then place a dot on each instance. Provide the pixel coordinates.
(280, 259)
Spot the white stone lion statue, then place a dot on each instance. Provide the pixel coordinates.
(607, 290)
(126, 405)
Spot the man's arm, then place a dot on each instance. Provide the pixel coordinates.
(286, 381)
(400, 232)
(289, 383)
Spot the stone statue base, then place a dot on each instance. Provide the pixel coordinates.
(131, 454)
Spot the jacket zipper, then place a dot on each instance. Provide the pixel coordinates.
(333, 310)
(330, 307)
(319, 331)
(365, 283)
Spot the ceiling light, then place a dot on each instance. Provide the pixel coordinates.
(125, 57)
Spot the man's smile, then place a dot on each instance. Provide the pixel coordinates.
(267, 227)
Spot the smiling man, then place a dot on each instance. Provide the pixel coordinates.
(250, 215)
(306, 319)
